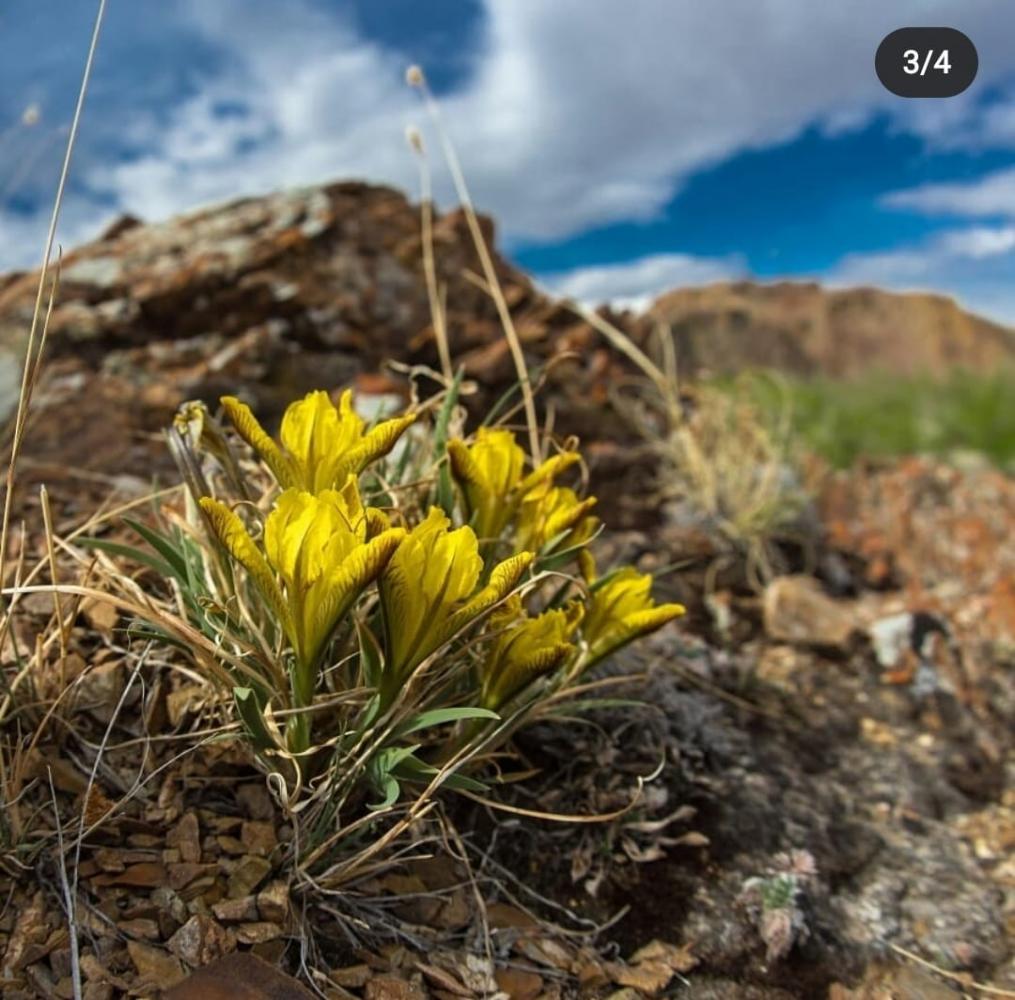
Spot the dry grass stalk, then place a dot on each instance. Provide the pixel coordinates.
(434, 294)
(416, 78)
(33, 355)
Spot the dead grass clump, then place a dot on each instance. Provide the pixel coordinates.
(722, 464)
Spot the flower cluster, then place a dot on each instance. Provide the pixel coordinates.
(457, 602)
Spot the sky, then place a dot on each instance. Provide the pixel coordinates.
(624, 146)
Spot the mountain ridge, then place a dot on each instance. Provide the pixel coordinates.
(805, 328)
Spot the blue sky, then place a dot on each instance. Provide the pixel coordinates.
(625, 146)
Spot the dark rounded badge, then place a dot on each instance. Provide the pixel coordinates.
(926, 62)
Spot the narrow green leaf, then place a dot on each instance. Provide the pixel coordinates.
(550, 560)
(138, 629)
(250, 712)
(605, 579)
(413, 769)
(380, 773)
(370, 655)
(439, 716)
(513, 390)
(390, 789)
(445, 486)
(371, 711)
(128, 552)
(463, 783)
(161, 544)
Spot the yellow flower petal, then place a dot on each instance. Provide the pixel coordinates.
(317, 436)
(548, 470)
(323, 443)
(376, 444)
(377, 521)
(622, 610)
(432, 571)
(332, 597)
(488, 473)
(548, 511)
(232, 533)
(243, 419)
(504, 576)
(490, 476)
(526, 650)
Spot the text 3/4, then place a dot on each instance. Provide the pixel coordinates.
(914, 64)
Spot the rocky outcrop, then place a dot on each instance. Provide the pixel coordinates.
(804, 329)
(325, 280)
(268, 298)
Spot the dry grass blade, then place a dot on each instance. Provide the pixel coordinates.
(557, 817)
(437, 312)
(416, 78)
(994, 991)
(69, 902)
(47, 517)
(665, 383)
(33, 356)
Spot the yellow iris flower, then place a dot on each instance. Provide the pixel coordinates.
(547, 511)
(428, 593)
(527, 648)
(489, 473)
(318, 557)
(622, 610)
(321, 443)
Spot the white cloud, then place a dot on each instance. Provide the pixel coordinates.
(973, 264)
(981, 118)
(979, 242)
(993, 194)
(23, 237)
(578, 113)
(634, 284)
(309, 100)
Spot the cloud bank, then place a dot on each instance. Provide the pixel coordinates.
(634, 284)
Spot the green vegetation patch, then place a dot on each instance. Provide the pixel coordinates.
(883, 415)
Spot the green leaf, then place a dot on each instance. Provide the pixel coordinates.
(550, 560)
(370, 713)
(415, 770)
(463, 783)
(161, 544)
(389, 789)
(605, 579)
(192, 559)
(129, 552)
(445, 486)
(534, 376)
(250, 711)
(380, 773)
(371, 658)
(138, 629)
(439, 716)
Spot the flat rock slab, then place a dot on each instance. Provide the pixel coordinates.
(240, 976)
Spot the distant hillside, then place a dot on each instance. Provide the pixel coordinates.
(804, 329)
(269, 297)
